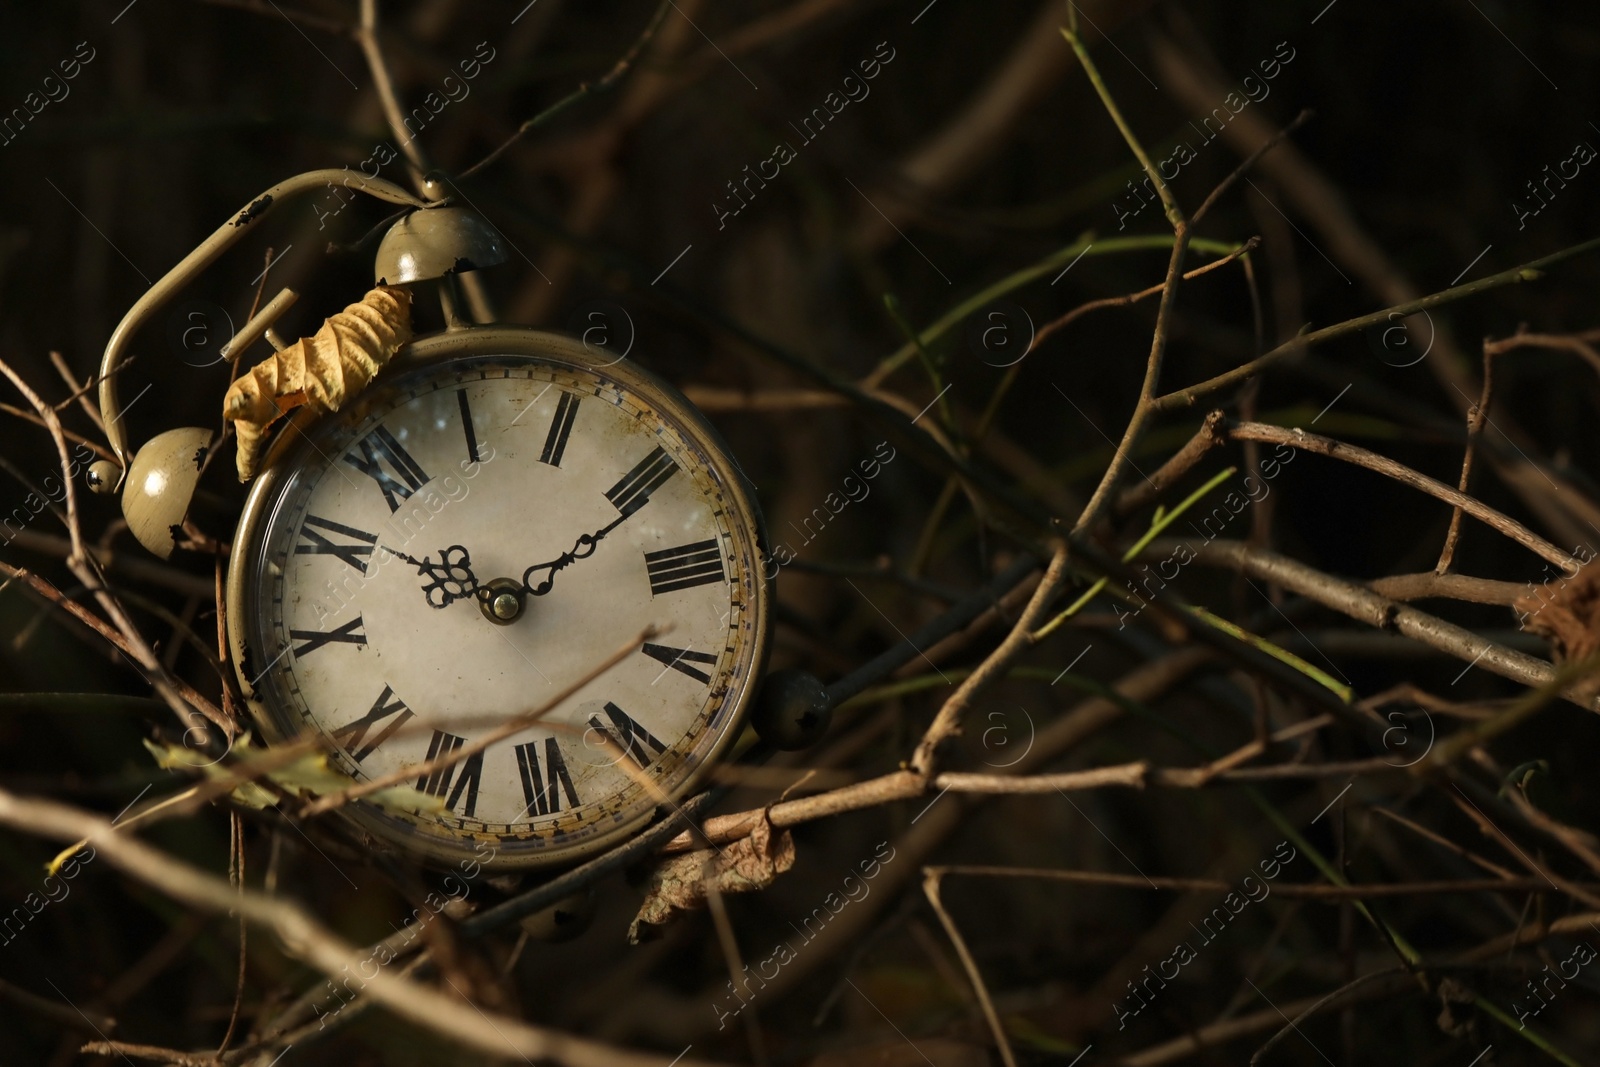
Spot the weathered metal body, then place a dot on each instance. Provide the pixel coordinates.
(438, 353)
(436, 241)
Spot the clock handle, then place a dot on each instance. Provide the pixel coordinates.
(107, 477)
(260, 326)
(161, 477)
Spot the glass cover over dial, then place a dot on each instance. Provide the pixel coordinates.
(466, 541)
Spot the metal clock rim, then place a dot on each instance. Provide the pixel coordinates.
(438, 349)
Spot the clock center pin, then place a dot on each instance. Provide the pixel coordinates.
(501, 602)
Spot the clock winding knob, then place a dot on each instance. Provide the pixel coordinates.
(793, 709)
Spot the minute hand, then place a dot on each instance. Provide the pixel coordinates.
(583, 548)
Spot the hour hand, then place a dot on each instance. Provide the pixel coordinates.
(449, 580)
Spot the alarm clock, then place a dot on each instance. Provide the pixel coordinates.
(462, 541)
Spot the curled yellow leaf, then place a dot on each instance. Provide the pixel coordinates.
(322, 371)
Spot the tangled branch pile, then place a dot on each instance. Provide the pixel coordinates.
(1209, 685)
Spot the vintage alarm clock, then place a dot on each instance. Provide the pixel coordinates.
(498, 510)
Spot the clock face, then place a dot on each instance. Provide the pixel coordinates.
(470, 539)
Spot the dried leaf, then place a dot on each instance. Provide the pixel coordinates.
(1567, 612)
(322, 371)
(746, 865)
(311, 773)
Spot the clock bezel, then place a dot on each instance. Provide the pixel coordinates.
(434, 351)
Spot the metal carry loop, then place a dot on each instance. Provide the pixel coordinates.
(206, 253)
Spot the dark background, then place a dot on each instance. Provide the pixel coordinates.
(1430, 118)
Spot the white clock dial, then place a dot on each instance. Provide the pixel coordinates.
(584, 509)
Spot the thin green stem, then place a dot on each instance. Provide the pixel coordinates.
(1085, 246)
(891, 304)
(906, 686)
(992, 408)
(1277, 652)
(1161, 523)
(1174, 215)
(930, 529)
(1407, 952)
(1527, 1033)
(1528, 272)
(1465, 740)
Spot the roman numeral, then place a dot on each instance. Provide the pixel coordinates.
(684, 567)
(555, 443)
(378, 450)
(466, 425)
(679, 659)
(632, 738)
(633, 491)
(349, 634)
(540, 791)
(386, 706)
(356, 555)
(437, 782)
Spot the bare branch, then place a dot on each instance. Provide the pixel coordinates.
(169, 1056)
(515, 725)
(1331, 894)
(1448, 587)
(1533, 270)
(1327, 446)
(901, 785)
(185, 692)
(1363, 604)
(1209, 436)
(1248, 164)
(1019, 640)
(930, 888)
(54, 1010)
(610, 80)
(306, 939)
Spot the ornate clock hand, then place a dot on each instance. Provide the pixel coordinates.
(583, 548)
(452, 577)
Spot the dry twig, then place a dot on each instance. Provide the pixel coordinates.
(308, 940)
